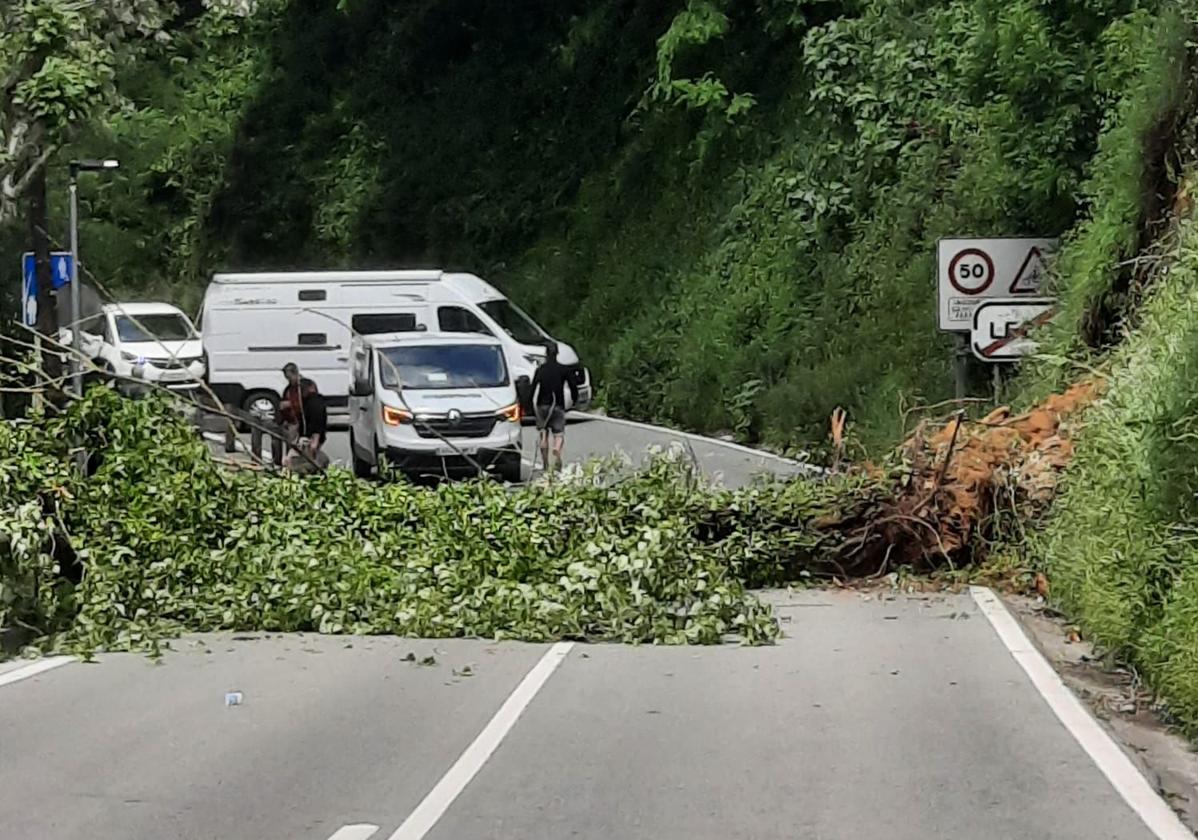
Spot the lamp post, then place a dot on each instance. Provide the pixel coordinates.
(78, 166)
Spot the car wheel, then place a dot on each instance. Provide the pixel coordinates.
(362, 468)
(261, 405)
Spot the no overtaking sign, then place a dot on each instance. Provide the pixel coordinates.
(973, 271)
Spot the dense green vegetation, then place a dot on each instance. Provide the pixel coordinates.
(731, 207)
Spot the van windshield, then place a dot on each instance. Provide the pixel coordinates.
(161, 327)
(514, 322)
(442, 366)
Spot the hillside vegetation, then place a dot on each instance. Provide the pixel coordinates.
(731, 207)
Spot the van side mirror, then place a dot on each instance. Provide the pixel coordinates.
(359, 389)
(524, 393)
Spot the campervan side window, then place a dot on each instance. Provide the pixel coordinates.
(455, 319)
(313, 294)
(312, 339)
(386, 322)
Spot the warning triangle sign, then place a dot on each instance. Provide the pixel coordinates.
(1027, 279)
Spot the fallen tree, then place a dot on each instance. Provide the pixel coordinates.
(160, 539)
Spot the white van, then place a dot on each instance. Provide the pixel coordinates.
(255, 323)
(442, 405)
(154, 342)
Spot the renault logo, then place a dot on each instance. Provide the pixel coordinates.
(454, 417)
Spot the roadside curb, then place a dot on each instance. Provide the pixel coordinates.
(805, 467)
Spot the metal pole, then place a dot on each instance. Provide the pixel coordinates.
(960, 364)
(76, 305)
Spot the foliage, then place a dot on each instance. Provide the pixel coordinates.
(1120, 547)
(689, 243)
(167, 540)
(58, 63)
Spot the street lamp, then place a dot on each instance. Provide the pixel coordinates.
(78, 166)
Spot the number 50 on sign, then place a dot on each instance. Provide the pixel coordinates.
(973, 271)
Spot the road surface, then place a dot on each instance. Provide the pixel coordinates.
(906, 719)
(589, 437)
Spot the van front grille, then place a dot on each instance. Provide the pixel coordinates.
(466, 426)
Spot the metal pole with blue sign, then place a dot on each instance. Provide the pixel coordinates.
(61, 266)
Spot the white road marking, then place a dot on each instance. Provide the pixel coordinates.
(34, 668)
(1102, 749)
(747, 450)
(361, 831)
(438, 800)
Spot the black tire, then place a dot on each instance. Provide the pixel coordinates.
(511, 469)
(362, 469)
(261, 405)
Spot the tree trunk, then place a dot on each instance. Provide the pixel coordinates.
(39, 232)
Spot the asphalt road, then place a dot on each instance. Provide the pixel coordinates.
(903, 718)
(590, 437)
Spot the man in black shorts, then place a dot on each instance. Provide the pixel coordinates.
(549, 385)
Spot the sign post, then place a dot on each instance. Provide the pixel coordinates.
(974, 272)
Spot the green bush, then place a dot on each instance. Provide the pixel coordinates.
(1119, 545)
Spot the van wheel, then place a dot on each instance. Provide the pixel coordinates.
(362, 468)
(511, 469)
(261, 405)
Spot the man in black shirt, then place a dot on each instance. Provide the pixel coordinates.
(549, 385)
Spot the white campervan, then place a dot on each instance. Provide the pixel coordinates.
(441, 405)
(254, 323)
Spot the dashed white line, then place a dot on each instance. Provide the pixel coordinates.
(438, 800)
(34, 668)
(361, 831)
(1102, 749)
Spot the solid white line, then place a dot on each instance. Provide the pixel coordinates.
(361, 831)
(438, 800)
(747, 450)
(1102, 749)
(34, 668)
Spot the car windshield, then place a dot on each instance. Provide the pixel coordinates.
(514, 322)
(162, 327)
(442, 366)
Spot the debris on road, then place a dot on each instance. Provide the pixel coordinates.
(233, 698)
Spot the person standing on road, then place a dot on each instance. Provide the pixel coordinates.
(549, 385)
(303, 414)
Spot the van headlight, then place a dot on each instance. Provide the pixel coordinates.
(512, 414)
(535, 361)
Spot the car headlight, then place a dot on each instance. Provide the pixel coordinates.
(131, 357)
(535, 361)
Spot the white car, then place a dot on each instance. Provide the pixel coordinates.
(154, 342)
(441, 405)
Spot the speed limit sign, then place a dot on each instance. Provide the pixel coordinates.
(973, 271)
